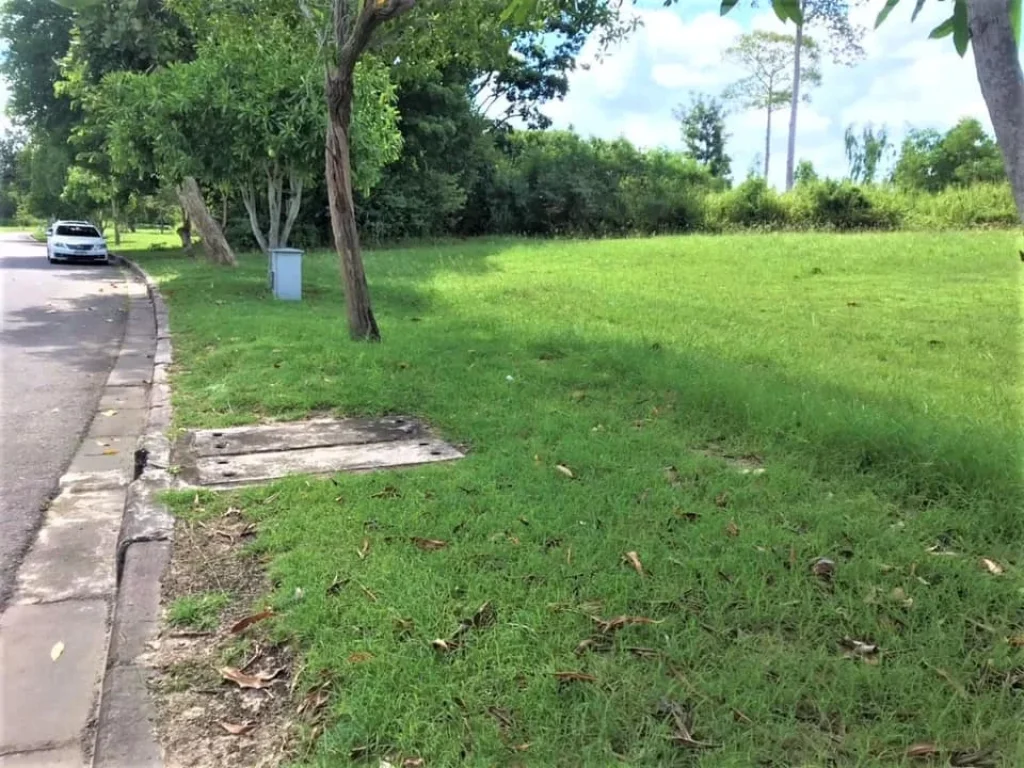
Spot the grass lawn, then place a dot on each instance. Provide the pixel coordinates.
(875, 378)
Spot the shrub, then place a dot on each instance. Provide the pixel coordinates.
(751, 205)
(839, 205)
(980, 205)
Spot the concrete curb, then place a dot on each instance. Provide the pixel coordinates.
(124, 734)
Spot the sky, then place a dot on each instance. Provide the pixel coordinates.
(905, 79)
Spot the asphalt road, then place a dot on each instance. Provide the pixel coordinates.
(60, 330)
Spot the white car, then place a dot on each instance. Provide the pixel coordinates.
(78, 240)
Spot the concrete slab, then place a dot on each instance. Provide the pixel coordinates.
(126, 736)
(74, 554)
(137, 618)
(49, 702)
(247, 469)
(118, 422)
(68, 757)
(303, 434)
(119, 398)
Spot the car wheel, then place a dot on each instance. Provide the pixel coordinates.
(49, 258)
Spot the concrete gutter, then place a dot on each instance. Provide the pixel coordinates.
(124, 734)
(87, 596)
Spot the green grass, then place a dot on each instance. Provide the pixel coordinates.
(876, 376)
(199, 612)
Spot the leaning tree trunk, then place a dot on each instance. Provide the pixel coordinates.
(1002, 84)
(362, 326)
(214, 243)
(793, 107)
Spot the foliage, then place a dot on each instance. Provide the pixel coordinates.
(851, 366)
(750, 205)
(964, 155)
(956, 26)
(805, 172)
(867, 152)
(703, 129)
(838, 205)
(768, 59)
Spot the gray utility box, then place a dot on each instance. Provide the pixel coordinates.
(286, 273)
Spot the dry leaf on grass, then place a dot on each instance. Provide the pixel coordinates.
(575, 677)
(248, 621)
(445, 646)
(992, 566)
(596, 643)
(634, 560)
(359, 657)
(1017, 641)
(858, 649)
(242, 680)
(429, 545)
(521, 747)
(732, 529)
(722, 499)
(682, 725)
(364, 550)
(56, 651)
(672, 477)
(413, 762)
(922, 751)
(565, 471)
(643, 653)
(614, 625)
(235, 729)
(823, 568)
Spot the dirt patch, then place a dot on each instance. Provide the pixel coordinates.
(204, 719)
(745, 464)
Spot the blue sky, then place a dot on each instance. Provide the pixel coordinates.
(904, 80)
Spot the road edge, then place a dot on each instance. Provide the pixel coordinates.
(125, 722)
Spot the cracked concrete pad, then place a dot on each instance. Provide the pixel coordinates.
(74, 553)
(303, 434)
(68, 757)
(46, 701)
(251, 468)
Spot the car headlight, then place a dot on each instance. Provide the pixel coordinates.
(59, 244)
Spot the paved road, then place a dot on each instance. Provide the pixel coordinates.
(60, 329)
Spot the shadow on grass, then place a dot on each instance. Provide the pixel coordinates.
(451, 369)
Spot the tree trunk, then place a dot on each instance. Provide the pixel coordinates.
(117, 226)
(793, 107)
(294, 204)
(768, 140)
(362, 326)
(249, 201)
(214, 244)
(1002, 84)
(223, 210)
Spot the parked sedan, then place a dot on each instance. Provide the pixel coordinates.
(76, 240)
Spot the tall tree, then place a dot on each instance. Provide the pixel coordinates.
(866, 150)
(831, 20)
(768, 59)
(703, 127)
(964, 155)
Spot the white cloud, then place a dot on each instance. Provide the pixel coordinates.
(904, 80)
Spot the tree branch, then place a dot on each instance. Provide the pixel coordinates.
(373, 13)
(249, 201)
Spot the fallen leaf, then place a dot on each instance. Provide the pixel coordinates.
(732, 529)
(992, 566)
(672, 476)
(429, 545)
(444, 645)
(111, 412)
(922, 750)
(858, 649)
(235, 729)
(973, 758)
(248, 621)
(521, 747)
(579, 677)
(596, 643)
(643, 653)
(364, 549)
(359, 657)
(823, 568)
(722, 499)
(614, 625)
(634, 560)
(110, 452)
(565, 470)
(1017, 641)
(504, 717)
(900, 596)
(739, 717)
(413, 762)
(56, 651)
(259, 680)
(681, 721)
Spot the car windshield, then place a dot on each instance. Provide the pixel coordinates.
(77, 230)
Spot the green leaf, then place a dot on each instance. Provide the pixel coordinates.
(788, 10)
(1015, 19)
(945, 29)
(884, 13)
(519, 10)
(961, 29)
(917, 9)
(728, 5)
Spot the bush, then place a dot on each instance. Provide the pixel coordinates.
(980, 205)
(751, 205)
(839, 205)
